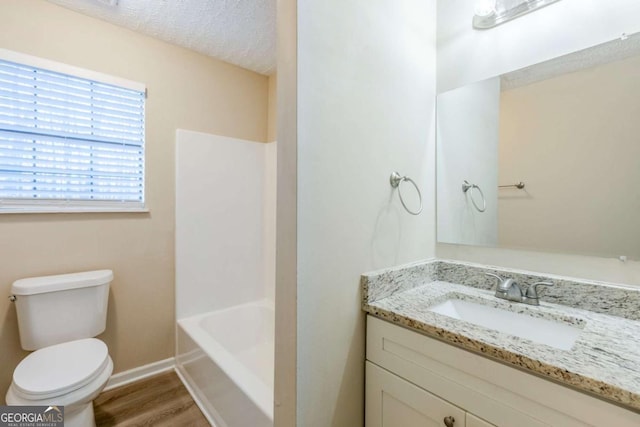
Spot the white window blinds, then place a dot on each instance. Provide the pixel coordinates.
(69, 141)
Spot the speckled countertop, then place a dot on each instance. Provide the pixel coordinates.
(604, 361)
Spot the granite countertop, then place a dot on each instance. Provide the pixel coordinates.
(604, 360)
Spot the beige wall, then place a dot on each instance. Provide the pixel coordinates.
(573, 140)
(186, 90)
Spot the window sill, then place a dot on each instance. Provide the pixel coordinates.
(69, 209)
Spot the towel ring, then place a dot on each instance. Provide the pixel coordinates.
(395, 179)
(466, 186)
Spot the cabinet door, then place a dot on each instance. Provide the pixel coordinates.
(473, 421)
(394, 402)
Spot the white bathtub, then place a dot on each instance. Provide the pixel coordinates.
(225, 358)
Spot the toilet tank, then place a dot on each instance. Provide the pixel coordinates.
(66, 307)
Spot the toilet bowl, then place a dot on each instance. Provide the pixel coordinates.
(70, 374)
(58, 316)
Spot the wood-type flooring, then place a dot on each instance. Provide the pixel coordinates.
(161, 400)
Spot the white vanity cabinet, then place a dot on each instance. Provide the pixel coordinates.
(394, 402)
(415, 380)
(473, 421)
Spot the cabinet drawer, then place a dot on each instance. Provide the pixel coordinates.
(495, 392)
(473, 421)
(394, 402)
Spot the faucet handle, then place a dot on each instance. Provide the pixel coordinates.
(503, 284)
(531, 296)
(507, 289)
(500, 279)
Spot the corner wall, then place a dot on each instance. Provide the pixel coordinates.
(186, 90)
(365, 108)
(286, 290)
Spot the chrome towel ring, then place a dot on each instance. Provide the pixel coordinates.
(466, 186)
(395, 179)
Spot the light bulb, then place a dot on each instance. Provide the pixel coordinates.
(485, 7)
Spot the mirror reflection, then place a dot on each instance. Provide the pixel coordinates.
(551, 151)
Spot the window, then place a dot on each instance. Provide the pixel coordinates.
(70, 139)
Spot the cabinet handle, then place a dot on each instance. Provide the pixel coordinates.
(449, 421)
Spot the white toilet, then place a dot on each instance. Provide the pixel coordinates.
(57, 317)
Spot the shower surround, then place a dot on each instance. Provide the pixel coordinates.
(225, 283)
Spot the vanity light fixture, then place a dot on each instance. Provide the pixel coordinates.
(491, 13)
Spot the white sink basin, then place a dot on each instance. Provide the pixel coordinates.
(552, 333)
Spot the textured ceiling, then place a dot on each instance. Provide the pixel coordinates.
(241, 32)
(615, 50)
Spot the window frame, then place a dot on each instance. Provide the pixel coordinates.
(13, 206)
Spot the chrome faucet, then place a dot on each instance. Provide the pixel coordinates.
(508, 289)
(531, 296)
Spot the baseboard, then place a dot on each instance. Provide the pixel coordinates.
(141, 372)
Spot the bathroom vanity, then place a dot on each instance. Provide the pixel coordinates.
(442, 350)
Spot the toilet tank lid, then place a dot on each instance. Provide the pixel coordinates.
(61, 282)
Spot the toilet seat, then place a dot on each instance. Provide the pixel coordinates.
(60, 369)
(80, 396)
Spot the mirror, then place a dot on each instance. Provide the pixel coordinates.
(552, 153)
